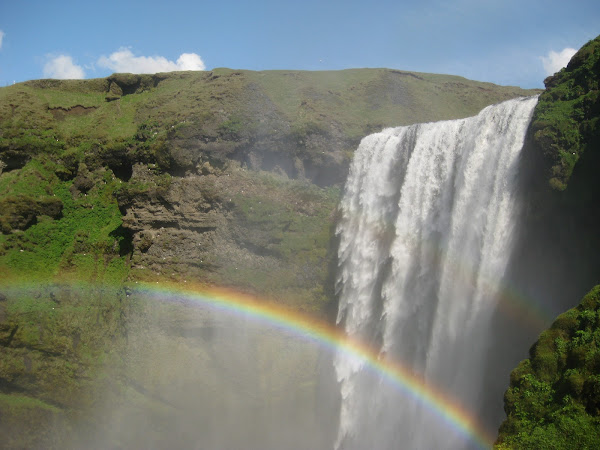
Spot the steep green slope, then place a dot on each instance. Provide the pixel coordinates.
(554, 397)
(552, 401)
(565, 125)
(58, 345)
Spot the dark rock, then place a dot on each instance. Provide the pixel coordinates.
(83, 182)
(114, 92)
(19, 212)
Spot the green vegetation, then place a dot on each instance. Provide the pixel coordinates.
(554, 397)
(57, 343)
(565, 123)
(57, 230)
(31, 423)
(366, 100)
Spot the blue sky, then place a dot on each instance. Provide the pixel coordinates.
(507, 42)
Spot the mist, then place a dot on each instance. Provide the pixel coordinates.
(194, 377)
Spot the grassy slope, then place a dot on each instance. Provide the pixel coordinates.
(371, 99)
(554, 396)
(56, 343)
(358, 99)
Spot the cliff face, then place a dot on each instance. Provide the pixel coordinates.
(551, 401)
(559, 243)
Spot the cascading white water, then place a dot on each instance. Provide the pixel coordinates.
(426, 231)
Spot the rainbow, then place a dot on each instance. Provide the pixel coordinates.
(324, 334)
(312, 329)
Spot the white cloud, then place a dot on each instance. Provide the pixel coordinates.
(63, 67)
(190, 61)
(1, 37)
(555, 61)
(123, 60)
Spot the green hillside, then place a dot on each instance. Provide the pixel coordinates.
(240, 168)
(554, 396)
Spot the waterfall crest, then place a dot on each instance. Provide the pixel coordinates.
(428, 220)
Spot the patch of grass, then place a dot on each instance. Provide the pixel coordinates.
(28, 422)
(67, 99)
(60, 341)
(79, 242)
(10, 402)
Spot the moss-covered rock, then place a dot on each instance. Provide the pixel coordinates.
(129, 83)
(18, 212)
(565, 125)
(84, 181)
(114, 92)
(554, 396)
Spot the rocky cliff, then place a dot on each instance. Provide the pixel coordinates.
(553, 395)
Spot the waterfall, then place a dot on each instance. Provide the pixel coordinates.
(426, 230)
